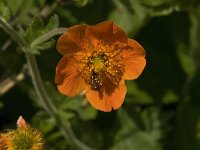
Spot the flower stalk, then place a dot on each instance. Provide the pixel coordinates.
(37, 81)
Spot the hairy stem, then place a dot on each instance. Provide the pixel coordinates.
(37, 81)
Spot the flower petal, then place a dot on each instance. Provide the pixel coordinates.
(105, 101)
(119, 34)
(68, 79)
(133, 59)
(72, 41)
(103, 31)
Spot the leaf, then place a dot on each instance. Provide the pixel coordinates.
(53, 23)
(137, 141)
(81, 3)
(87, 113)
(131, 137)
(4, 11)
(136, 95)
(42, 122)
(66, 116)
(41, 47)
(130, 15)
(153, 3)
(170, 97)
(186, 61)
(35, 30)
(16, 6)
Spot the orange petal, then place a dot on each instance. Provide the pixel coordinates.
(103, 31)
(133, 59)
(68, 78)
(104, 100)
(72, 41)
(119, 34)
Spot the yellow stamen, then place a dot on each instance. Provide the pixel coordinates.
(99, 65)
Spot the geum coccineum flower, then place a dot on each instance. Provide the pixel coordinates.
(97, 59)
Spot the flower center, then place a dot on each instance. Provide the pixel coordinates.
(100, 67)
(98, 62)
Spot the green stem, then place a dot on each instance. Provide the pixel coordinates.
(13, 34)
(38, 84)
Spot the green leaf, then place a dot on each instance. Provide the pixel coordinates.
(137, 141)
(130, 15)
(53, 23)
(41, 47)
(170, 97)
(15, 6)
(81, 3)
(154, 3)
(87, 113)
(1, 104)
(42, 122)
(187, 61)
(136, 95)
(132, 137)
(66, 116)
(35, 30)
(4, 11)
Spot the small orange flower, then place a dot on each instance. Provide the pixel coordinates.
(98, 59)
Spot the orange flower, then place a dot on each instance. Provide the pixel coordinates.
(98, 59)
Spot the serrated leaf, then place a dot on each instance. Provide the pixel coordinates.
(53, 22)
(35, 30)
(37, 49)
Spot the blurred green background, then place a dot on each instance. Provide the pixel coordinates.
(162, 107)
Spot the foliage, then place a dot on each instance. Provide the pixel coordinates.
(161, 110)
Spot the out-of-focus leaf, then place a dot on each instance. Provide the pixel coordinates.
(4, 11)
(81, 3)
(187, 61)
(170, 97)
(15, 6)
(130, 15)
(43, 122)
(187, 124)
(164, 10)
(1, 104)
(55, 141)
(132, 137)
(88, 113)
(66, 115)
(53, 22)
(198, 129)
(136, 95)
(194, 37)
(154, 3)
